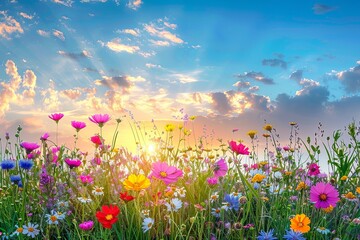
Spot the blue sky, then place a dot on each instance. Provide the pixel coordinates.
(226, 61)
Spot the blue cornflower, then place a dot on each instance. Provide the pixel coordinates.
(20, 185)
(26, 164)
(291, 235)
(266, 235)
(231, 202)
(15, 179)
(7, 164)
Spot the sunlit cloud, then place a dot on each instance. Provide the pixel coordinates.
(8, 25)
(134, 4)
(164, 34)
(59, 34)
(116, 46)
(133, 32)
(76, 56)
(25, 15)
(66, 3)
(43, 33)
(350, 79)
(257, 76)
(159, 43)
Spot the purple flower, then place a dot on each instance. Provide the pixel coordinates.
(166, 173)
(86, 226)
(29, 146)
(220, 168)
(324, 195)
(266, 235)
(314, 169)
(56, 116)
(44, 137)
(212, 181)
(100, 119)
(78, 125)
(72, 162)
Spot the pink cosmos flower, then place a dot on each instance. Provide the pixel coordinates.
(166, 173)
(239, 148)
(86, 179)
(78, 125)
(100, 119)
(220, 168)
(44, 137)
(29, 147)
(286, 148)
(212, 181)
(72, 162)
(87, 225)
(56, 116)
(313, 169)
(324, 195)
(96, 139)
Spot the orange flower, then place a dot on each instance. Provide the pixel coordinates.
(136, 182)
(301, 186)
(300, 223)
(328, 209)
(358, 190)
(268, 127)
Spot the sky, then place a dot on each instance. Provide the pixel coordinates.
(234, 64)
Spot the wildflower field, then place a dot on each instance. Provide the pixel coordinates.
(180, 189)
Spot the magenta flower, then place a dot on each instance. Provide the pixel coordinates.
(78, 125)
(220, 168)
(29, 147)
(44, 137)
(72, 162)
(166, 173)
(324, 195)
(239, 148)
(56, 117)
(100, 119)
(212, 181)
(87, 225)
(314, 169)
(86, 179)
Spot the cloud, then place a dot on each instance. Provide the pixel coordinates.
(43, 33)
(220, 103)
(241, 85)
(134, 4)
(50, 96)
(350, 79)
(59, 34)
(296, 75)
(274, 63)
(72, 94)
(134, 32)
(90, 69)
(170, 25)
(29, 82)
(124, 83)
(66, 3)
(8, 25)
(184, 78)
(159, 43)
(75, 56)
(161, 33)
(322, 9)
(25, 15)
(258, 76)
(150, 65)
(93, 1)
(116, 46)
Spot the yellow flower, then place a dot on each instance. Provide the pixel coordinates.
(263, 163)
(292, 123)
(343, 178)
(288, 173)
(328, 209)
(268, 127)
(187, 132)
(301, 186)
(192, 118)
(136, 182)
(169, 127)
(266, 135)
(350, 195)
(358, 190)
(252, 133)
(258, 178)
(300, 223)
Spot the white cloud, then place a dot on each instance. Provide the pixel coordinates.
(159, 43)
(8, 25)
(164, 34)
(134, 4)
(134, 32)
(150, 65)
(66, 3)
(43, 33)
(183, 78)
(59, 34)
(25, 15)
(170, 25)
(116, 46)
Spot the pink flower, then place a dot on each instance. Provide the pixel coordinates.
(87, 225)
(86, 179)
(166, 173)
(72, 162)
(212, 181)
(286, 148)
(239, 148)
(313, 169)
(56, 116)
(44, 137)
(324, 195)
(29, 147)
(220, 168)
(78, 125)
(96, 140)
(100, 119)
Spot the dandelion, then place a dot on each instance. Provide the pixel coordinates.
(26, 164)
(78, 125)
(174, 205)
(239, 148)
(136, 182)
(29, 146)
(7, 164)
(166, 173)
(86, 226)
(220, 168)
(323, 230)
(313, 169)
(147, 224)
(324, 195)
(56, 117)
(291, 235)
(100, 119)
(268, 127)
(72, 163)
(266, 235)
(252, 133)
(300, 223)
(108, 215)
(125, 197)
(31, 230)
(98, 191)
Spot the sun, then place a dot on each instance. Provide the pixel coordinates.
(151, 148)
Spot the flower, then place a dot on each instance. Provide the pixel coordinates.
(125, 197)
(86, 226)
(323, 230)
(324, 195)
(301, 186)
(220, 168)
(44, 137)
(29, 146)
(328, 209)
(268, 127)
(147, 224)
(252, 133)
(86, 179)
(216, 212)
(258, 178)
(350, 196)
(344, 178)
(107, 217)
(239, 148)
(97, 140)
(166, 173)
(7, 164)
(358, 190)
(169, 127)
(231, 202)
(214, 197)
(26, 164)
(291, 235)
(313, 169)
(174, 205)
(300, 223)
(212, 181)
(72, 162)
(84, 199)
(56, 117)
(136, 182)
(31, 230)
(78, 125)
(266, 235)
(15, 179)
(18, 231)
(53, 218)
(100, 119)
(98, 191)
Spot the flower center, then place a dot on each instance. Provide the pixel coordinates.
(53, 218)
(30, 229)
(98, 190)
(163, 174)
(149, 225)
(20, 230)
(300, 224)
(217, 210)
(109, 217)
(323, 197)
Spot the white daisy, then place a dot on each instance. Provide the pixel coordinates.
(63, 204)
(180, 192)
(147, 224)
(98, 191)
(174, 205)
(145, 213)
(214, 197)
(52, 218)
(31, 230)
(84, 199)
(18, 231)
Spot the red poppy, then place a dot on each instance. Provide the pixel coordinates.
(107, 217)
(125, 197)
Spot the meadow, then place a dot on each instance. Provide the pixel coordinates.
(177, 186)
